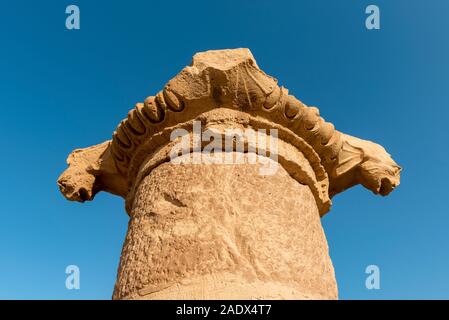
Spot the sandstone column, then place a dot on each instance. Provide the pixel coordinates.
(213, 229)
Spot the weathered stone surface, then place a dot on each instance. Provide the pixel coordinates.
(224, 232)
(176, 210)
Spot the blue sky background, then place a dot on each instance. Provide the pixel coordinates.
(62, 89)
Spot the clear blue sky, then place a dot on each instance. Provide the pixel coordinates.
(62, 89)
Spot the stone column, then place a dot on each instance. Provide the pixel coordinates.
(210, 228)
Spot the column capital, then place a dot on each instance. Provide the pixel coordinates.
(229, 81)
